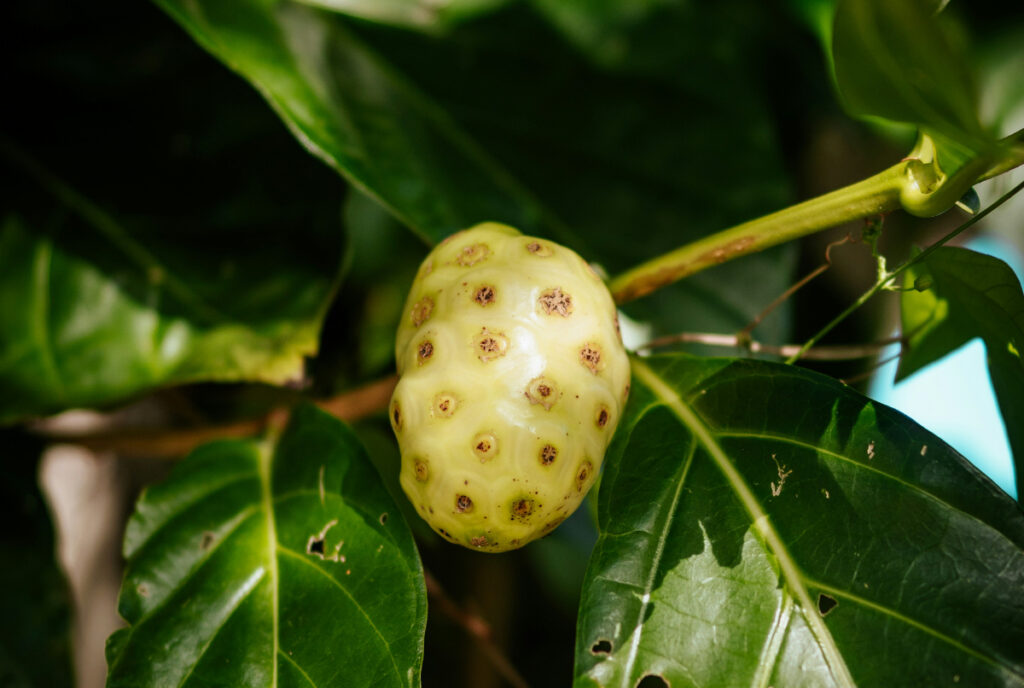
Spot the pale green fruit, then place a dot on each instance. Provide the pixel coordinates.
(512, 379)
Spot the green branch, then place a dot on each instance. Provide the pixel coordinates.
(916, 184)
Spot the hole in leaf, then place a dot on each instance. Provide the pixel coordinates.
(316, 547)
(653, 681)
(826, 603)
(601, 647)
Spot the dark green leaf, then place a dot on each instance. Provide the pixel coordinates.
(447, 133)
(166, 231)
(277, 563)
(897, 60)
(970, 295)
(35, 637)
(764, 525)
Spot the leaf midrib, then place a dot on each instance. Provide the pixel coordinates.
(759, 518)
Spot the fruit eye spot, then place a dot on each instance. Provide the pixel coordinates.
(479, 541)
(538, 249)
(485, 446)
(582, 474)
(522, 508)
(422, 311)
(444, 405)
(473, 254)
(602, 417)
(425, 351)
(548, 453)
(421, 470)
(463, 504)
(542, 391)
(556, 301)
(485, 295)
(490, 345)
(590, 356)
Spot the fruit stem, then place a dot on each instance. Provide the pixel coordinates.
(916, 184)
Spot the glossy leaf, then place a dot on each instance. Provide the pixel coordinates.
(418, 14)
(73, 334)
(282, 563)
(964, 295)
(446, 133)
(167, 231)
(762, 525)
(897, 60)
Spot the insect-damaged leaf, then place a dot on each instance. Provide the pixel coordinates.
(271, 564)
(747, 539)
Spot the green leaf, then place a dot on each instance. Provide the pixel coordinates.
(448, 133)
(419, 14)
(277, 563)
(966, 295)
(73, 333)
(166, 235)
(897, 60)
(35, 638)
(750, 540)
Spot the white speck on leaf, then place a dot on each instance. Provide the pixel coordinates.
(871, 449)
(783, 474)
(924, 449)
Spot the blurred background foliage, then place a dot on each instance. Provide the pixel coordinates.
(182, 219)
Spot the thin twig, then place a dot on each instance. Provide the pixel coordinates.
(871, 371)
(169, 443)
(476, 627)
(905, 265)
(784, 296)
(819, 353)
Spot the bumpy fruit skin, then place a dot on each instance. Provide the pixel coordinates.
(513, 377)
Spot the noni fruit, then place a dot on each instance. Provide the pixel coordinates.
(512, 378)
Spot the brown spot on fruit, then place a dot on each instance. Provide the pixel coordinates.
(583, 475)
(548, 453)
(603, 417)
(490, 345)
(485, 446)
(446, 534)
(396, 416)
(538, 249)
(422, 311)
(463, 504)
(590, 356)
(478, 541)
(421, 470)
(424, 352)
(445, 405)
(555, 301)
(485, 295)
(522, 508)
(542, 391)
(472, 254)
